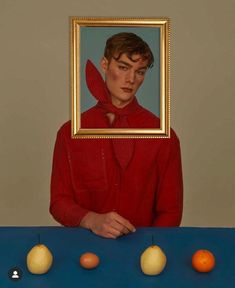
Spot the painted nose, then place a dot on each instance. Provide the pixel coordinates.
(131, 77)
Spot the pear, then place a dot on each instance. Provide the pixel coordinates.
(39, 259)
(153, 260)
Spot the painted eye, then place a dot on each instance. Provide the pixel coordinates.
(124, 68)
(141, 72)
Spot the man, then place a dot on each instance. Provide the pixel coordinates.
(111, 186)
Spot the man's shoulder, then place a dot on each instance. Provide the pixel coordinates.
(146, 119)
(94, 118)
(90, 110)
(65, 129)
(86, 115)
(148, 113)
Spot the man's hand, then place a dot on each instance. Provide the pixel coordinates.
(109, 225)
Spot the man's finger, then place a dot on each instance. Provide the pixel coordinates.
(116, 233)
(109, 235)
(122, 229)
(124, 222)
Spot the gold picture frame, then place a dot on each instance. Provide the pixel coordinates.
(89, 29)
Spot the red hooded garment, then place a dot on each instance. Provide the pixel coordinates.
(140, 180)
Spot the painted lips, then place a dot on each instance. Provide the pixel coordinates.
(127, 90)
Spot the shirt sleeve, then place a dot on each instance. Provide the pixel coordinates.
(169, 194)
(63, 207)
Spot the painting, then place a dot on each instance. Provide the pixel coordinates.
(120, 77)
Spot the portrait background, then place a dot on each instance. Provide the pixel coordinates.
(35, 100)
(93, 41)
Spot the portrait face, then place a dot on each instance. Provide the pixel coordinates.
(123, 77)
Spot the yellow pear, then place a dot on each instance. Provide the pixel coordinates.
(39, 259)
(153, 260)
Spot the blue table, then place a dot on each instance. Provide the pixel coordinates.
(119, 265)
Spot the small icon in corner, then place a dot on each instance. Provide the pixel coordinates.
(15, 274)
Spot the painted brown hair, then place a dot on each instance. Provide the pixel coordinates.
(130, 44)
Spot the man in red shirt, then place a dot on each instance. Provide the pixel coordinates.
(111, 186)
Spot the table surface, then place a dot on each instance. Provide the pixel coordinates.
(119, 259)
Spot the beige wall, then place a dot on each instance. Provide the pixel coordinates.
(34, 85)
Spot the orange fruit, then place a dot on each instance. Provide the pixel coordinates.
(203, 260)
(89, 260)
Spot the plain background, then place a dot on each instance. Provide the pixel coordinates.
(35, 100)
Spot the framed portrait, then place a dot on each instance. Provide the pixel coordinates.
(118, 64)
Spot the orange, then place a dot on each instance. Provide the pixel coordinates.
(203, 260)
(89, 260)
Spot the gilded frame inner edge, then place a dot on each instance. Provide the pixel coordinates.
(164, 25)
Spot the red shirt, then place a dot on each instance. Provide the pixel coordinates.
(86, 175)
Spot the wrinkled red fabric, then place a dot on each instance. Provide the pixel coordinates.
(87, 175)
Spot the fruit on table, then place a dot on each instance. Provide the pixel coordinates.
(203, 260)
(39, 259)
(89, 260)
(153, 260)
